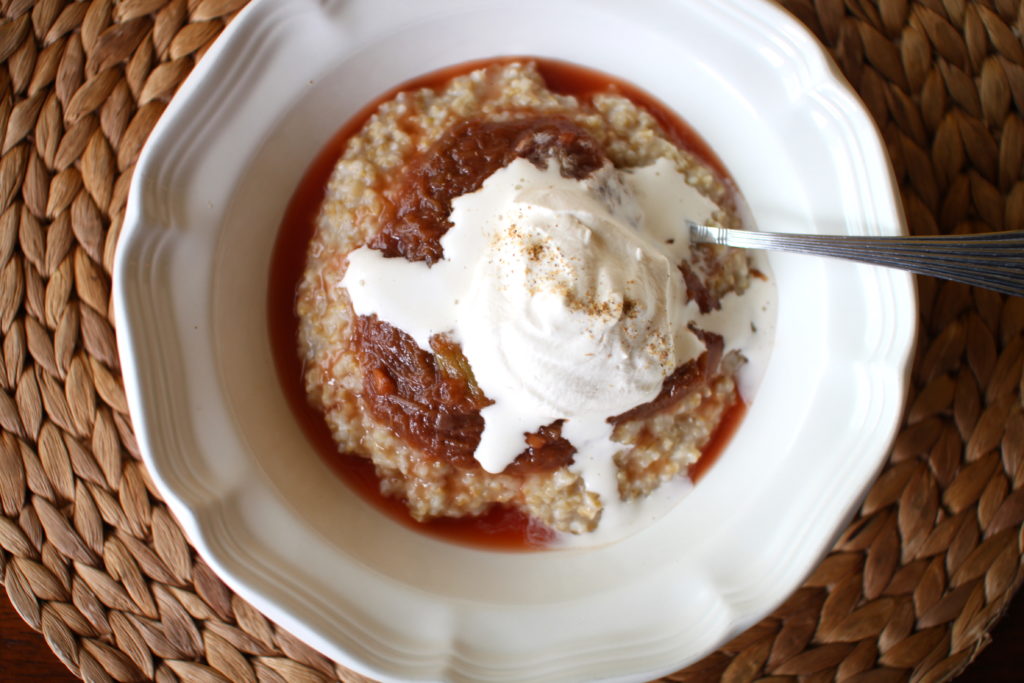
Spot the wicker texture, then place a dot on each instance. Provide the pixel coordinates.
(91, 557)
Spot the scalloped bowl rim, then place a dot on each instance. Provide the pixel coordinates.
(225, 454)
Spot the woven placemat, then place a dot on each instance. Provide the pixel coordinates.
(91, 557)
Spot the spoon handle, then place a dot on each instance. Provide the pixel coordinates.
(992, 260)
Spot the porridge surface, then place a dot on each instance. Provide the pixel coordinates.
(658, 443)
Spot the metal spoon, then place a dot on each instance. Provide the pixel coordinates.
(993, 260)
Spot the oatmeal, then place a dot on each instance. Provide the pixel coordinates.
(500, 306)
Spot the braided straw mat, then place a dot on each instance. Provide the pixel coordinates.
(91, 557)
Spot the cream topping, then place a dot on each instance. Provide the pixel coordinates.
(563, 294)
(566, 300)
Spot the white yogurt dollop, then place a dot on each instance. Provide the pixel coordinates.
(564, 295)
(573, 307)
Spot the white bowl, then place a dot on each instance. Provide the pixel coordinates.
(266, 512)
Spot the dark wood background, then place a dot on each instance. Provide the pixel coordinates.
(24, 655)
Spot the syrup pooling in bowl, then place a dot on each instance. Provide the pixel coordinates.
(303, 210)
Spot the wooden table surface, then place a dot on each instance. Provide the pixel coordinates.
(24, 655)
